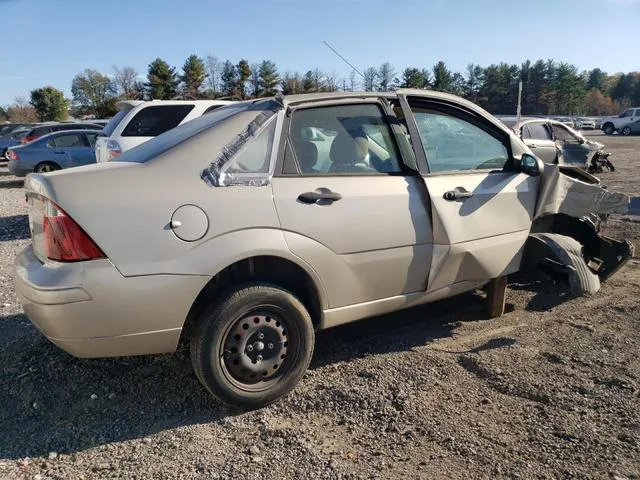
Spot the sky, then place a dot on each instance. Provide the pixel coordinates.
(47, 42)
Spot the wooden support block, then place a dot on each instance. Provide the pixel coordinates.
(496, 296)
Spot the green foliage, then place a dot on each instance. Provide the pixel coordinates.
(193, 76)
(244, 74)
(442, 77)
(228, 78)
(50, 104)
(269, 79)
(162, 81)
(4, 116)
(94, 92)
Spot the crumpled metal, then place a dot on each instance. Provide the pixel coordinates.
(215, 176)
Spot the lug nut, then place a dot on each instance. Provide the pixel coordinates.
(270, 346)
(260, 335)
(250, 348)
(259, 358)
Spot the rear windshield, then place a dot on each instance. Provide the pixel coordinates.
(154, 120)
(160, 144)
(114, 122)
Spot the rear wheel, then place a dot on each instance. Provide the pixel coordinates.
(608, 129)
(626, 131)
(253, 345)
(46, 167)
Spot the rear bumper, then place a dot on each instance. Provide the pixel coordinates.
(90, 310)
(14, 168)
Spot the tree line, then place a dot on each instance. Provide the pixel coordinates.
(548, 87)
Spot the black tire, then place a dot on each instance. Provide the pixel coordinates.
(46, 167)
(258, 309)
(626, 131)
(608, 129)
(569, 252)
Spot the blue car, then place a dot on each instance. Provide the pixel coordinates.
(65, 149)
(12, 139)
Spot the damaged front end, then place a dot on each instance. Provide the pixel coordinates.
(572, 203)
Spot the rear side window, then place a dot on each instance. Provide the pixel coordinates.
(114, 122)
(155, 120)
(68, 140)
(536, 131)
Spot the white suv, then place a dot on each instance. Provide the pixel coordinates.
(621, 123)
(138, 121)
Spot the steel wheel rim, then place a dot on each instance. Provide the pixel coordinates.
(241, 348)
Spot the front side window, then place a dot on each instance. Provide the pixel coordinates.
(452, 143)
(345, 139)
(156, 119)
(563, 134)
(69, 140)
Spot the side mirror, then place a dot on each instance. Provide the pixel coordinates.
(530, 165)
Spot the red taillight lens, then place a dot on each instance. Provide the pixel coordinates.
(11, 155)
(114, 149)
(64, 240)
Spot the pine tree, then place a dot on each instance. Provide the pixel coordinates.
(475, 77)
(162, 80)
(386, 76)
(442, 77)
(370, 78)
(269, 79)
(244, 73)
(193, 77)
(228, 78)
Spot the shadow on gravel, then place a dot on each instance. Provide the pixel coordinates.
(6, 174)
(52, 401)
(15, 227)
(12, 184)
(398, 331)
(547, 294)
(46, 396)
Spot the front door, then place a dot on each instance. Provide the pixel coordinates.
(482, 208)
(349, 206)
(575, 151)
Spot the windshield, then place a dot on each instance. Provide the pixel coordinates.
(160, 144)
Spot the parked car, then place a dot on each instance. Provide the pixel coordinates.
(620, 123)
(8, 128)
(45, 128)
(55, 151)
(247, 229)
(634, 128)
(138, 121)
(555, 142)
(568, 121)
(583, 123)
(12, 139)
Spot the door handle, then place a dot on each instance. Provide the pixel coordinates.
(59, 153)
(315, 197)
(458, 193)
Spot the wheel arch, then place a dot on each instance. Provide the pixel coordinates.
(56, 164)
(277, 270)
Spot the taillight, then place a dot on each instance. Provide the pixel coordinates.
(11, 155)
(113, 149)
(64, 240)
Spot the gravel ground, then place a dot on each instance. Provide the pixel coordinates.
(550, 390)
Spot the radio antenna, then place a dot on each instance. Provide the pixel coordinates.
(344, 59)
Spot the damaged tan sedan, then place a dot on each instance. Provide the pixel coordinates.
(248, 229)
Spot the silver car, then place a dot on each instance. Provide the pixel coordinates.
(246, 230)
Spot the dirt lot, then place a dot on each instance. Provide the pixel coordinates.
(550, 390)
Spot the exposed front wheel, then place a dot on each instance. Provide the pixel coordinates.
(608, 129)
(626, 131)
(253, 345)
(46, 167)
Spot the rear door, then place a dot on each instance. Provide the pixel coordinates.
(537, 136)
(69, 149)
(482, 207)
(348, 204)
